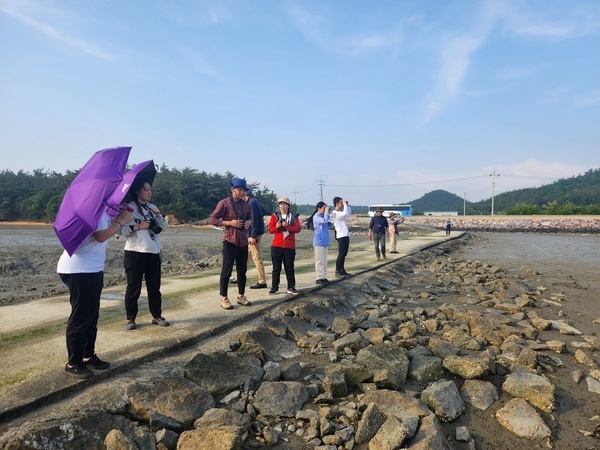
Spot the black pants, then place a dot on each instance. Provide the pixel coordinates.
(137, 267)
(82, 327)
(343, 246)
(286, 256)
(232, 254)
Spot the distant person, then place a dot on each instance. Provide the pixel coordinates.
(338, 217)
(393, 228)
(319, 222)
(378, 230)
(142, 258)
(448, 227)
(83, 273)
(255, 233)
(235, 215)
(284, 225)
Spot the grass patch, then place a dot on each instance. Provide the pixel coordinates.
(15, 340)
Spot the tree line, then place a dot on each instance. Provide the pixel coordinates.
(187, 193)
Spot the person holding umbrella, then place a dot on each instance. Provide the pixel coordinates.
(142, 257)
(83, 227)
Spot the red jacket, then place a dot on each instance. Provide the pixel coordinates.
(279, 239)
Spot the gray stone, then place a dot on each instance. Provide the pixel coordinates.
(372, 419)
(387, 362)
(280, 399)
(536, 389)
(390, 435)
(444, 398)
(522, 419)
(480, 394)
(468, 367)
(425, 368)
(223, 372)
(274, 347)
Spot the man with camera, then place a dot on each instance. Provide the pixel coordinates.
(142, 254)
(234, 214)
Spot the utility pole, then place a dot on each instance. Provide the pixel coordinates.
(465, 205)
(493, 175)
(321, 183)
(295, 192)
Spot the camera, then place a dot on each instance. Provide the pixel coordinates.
(154, 226)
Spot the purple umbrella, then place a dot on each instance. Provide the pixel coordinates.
(87, 197)
(142, 172)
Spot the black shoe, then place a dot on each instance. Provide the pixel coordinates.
(393, 251)
(95, 363)
(259, 286)
(233, 280)
(292, 291)
(273, 291)
(320, 281)
(79, 370)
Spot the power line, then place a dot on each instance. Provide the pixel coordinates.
(404, 184)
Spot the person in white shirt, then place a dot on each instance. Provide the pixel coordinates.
(338, 217)
(83, 273)
(142, 258)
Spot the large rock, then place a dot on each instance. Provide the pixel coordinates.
(426, 368)
(480, 394)
(520, 418)
(280, 399)
(221, 373)
(387, 362)
(274, 347)
(174, 397)
(222, 438)
(468, 367)
(443, 397)
(536, 389)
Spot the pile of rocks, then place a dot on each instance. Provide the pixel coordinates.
(378, 361)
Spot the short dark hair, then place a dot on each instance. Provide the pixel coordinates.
(336, 200)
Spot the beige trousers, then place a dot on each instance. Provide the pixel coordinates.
(254, 252)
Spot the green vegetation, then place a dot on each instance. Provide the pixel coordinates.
(187, 193)
(191, 195)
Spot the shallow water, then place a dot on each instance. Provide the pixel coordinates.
(534, 249)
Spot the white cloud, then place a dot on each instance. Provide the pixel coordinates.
(21, 12)
(456, 58)
(591, 98)
(316, 29)
(199, 64)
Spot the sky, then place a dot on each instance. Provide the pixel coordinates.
(374, 101)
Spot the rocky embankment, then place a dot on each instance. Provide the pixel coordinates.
(538, 224)
(429, 352)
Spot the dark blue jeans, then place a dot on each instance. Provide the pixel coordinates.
(379, 239)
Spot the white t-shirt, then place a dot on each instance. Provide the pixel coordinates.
(90, 257)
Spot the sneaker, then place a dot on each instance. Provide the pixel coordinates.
(226, 304)
(130, 325)
(242, 300)
(339, 275)
(384, 257)
(273, 291)
(320, 281)
(292, 291)
(160, 321)
(259, 286)
(79, 370)
(346, 274)
(393, 251)
(95, 363)
(233, 280)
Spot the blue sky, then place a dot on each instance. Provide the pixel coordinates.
(374, 101)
